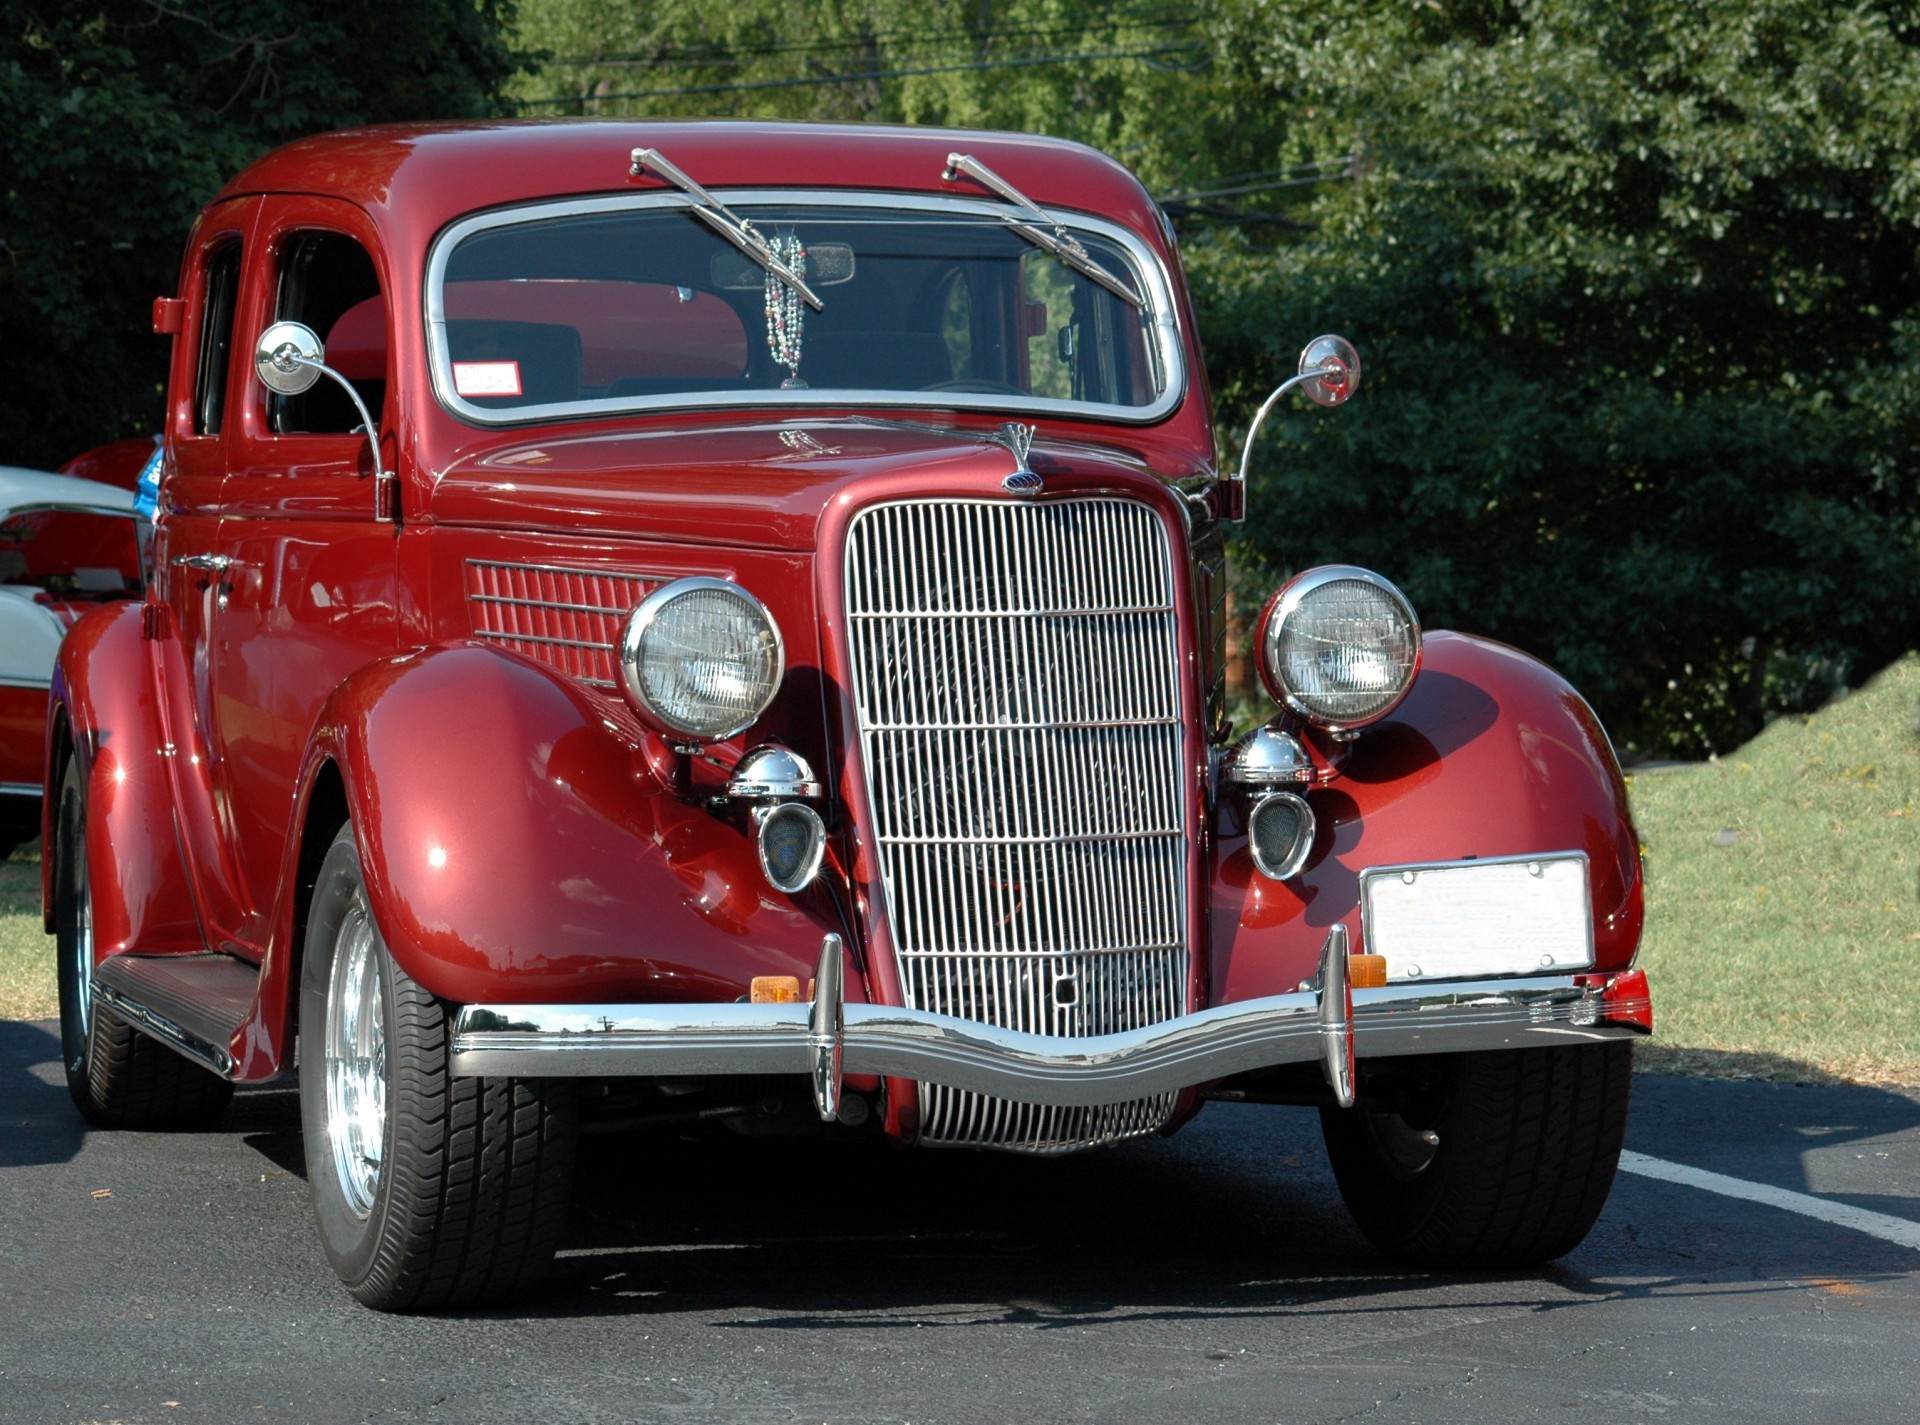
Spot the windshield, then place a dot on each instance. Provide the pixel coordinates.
(631, 303)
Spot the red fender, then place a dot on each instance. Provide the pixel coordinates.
(519, 848)
(104, 695)
(1491, 754)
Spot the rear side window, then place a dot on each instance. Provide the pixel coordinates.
(328, 283)
(216, 338)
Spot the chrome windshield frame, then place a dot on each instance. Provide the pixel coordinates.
(1161, 326)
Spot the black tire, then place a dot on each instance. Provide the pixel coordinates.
(1529, 1140)
(119, 1077)
(469, 1195)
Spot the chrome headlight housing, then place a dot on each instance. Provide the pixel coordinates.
(701, 659)
(1340, 646)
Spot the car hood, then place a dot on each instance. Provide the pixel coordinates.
(761, 485)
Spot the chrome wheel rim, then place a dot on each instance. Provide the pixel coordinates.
(356, 1059)
(83, 952)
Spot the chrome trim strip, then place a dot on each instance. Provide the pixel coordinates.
(182, 1041)
(501, 637)
(549, 604)
(1162, 332)
(20, 789)
(674, 1040)
(43, 684)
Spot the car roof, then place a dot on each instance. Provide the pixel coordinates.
(23, 489)
(433, 173)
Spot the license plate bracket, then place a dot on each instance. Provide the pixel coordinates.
(1505, 915)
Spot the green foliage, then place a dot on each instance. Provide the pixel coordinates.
(1637, 283)
(120, 119)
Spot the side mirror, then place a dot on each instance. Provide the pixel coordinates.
(288, 360)
(1333, 367)
(1330, 373)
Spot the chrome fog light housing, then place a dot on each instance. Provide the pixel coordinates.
(1280, 834)
(791, 839)
(1267, 758)
(701, 659)
(1340, 646)
(771, 772)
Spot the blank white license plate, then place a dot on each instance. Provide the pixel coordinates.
(1523, 915)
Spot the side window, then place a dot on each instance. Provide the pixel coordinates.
(216, 338)
(328, 282)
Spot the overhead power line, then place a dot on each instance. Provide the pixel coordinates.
(715, 55)
(867, 75)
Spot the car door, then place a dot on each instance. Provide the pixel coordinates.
(202, 438)
(309, 592)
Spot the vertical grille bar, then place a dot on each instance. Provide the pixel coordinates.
(1015, 671)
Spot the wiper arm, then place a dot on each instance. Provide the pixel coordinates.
(723, 220)
(1053, 238)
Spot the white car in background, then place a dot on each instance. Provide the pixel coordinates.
(66, 544)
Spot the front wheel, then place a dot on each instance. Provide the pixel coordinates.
(1483, 1160)
(431, 1191)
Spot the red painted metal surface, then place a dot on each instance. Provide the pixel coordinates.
(107, 710)
(118, 462)
(23, 728)
(1491, 754)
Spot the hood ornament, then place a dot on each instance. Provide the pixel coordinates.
(1018, 439)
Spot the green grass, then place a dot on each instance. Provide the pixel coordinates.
(1783, 901)
(1783, 897)
(26, 953)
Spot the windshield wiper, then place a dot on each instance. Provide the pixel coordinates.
(1061, 243)
(723, 220)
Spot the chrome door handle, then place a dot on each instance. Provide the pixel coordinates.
(208, 563)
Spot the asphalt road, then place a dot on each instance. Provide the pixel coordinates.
(1210, 1277)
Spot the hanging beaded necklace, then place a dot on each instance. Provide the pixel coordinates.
(785, 312)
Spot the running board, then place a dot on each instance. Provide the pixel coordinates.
(194, 1004)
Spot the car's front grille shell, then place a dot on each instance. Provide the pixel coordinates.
(1016, 677)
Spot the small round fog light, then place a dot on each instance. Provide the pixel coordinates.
(1279, 834)
(792, 839)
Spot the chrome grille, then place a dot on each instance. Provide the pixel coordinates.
(568, 618)
(1016, 678)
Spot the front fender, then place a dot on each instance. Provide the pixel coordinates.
(104, 705)
(519, 847)
(1491, 754)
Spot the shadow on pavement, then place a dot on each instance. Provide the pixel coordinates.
(40, 1122)
(1238, 1216)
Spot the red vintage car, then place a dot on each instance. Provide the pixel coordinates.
(725, 621)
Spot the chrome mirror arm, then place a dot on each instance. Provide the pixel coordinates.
(1333, 367)
(287, 361)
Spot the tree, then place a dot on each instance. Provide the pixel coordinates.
(120, 119)
(1638, 286)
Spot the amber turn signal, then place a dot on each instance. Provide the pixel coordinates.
(774, 989)
(1365, 972)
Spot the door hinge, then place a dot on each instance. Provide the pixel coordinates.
(155, 624)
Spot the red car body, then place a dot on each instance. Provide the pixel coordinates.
(316, 653)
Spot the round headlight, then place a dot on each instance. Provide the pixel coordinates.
(701, 659)
(1339, 646)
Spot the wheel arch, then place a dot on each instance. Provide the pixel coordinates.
(518, 847)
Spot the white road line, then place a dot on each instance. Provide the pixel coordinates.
(1875, 1224)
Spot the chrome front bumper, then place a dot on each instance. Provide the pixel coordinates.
(829, 1039)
